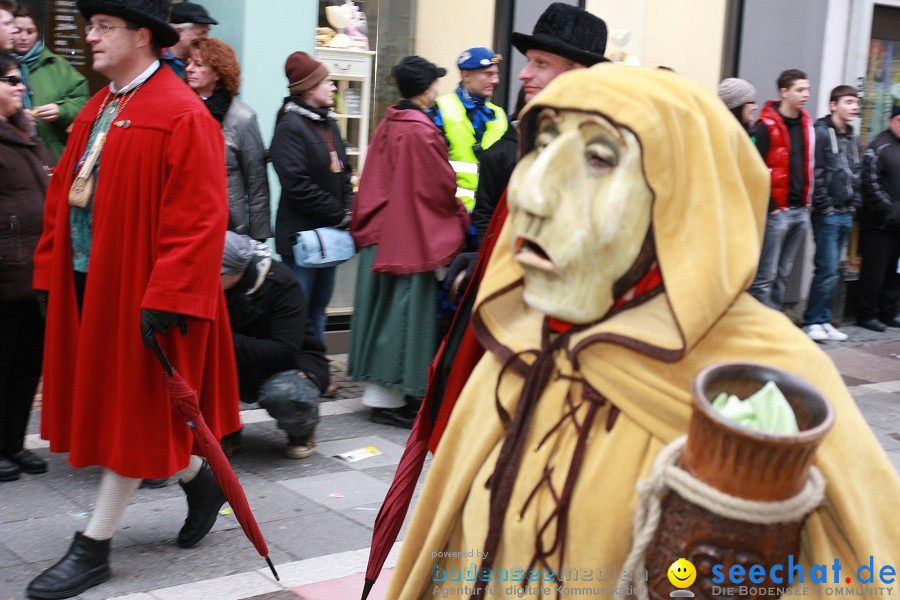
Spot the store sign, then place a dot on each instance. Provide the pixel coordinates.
(64, 34)
(66, 37)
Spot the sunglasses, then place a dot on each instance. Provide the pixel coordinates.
(11, 79)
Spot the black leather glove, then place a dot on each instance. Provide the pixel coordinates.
(159, 321)
(460, 272)
(42, 296)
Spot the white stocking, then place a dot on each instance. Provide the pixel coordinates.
(112, 499)
(190, 471)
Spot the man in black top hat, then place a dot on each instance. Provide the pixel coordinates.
(192, 22)
(128, 253)
(564, 38)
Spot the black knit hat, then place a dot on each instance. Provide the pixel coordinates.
(568, 31)
(414, 75)
(143, 13)
(189, 12)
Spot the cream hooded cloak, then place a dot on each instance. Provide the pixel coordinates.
(625, 381)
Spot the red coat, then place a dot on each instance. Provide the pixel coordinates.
(407, 200)
(159, 217)
(778, 159)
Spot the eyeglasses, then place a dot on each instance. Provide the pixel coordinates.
(102, 29)
(12, 80)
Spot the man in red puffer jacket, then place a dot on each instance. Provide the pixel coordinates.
(785, 139)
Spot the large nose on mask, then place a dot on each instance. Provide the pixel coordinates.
(554, 168)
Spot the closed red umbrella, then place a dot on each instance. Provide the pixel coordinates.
(185, 404)
(447, 375)
(396, 503)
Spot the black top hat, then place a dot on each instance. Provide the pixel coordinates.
(144, 13)
(567, 31)
(188, 12)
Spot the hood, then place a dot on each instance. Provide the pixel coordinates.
(710, 189)
(827, 121)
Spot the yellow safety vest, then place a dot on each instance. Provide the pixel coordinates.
(459, 132)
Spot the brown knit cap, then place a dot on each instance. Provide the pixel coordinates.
(303, 72)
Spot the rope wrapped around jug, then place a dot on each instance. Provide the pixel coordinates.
(667, 475)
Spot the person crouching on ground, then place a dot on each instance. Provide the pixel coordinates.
(280, 360)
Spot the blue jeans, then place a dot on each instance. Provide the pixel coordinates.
(318, 286)
(293, 401)
(831, 233)
(785, 231)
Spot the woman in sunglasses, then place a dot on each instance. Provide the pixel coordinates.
(24, 175)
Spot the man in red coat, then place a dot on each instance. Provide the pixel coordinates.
(130, 250)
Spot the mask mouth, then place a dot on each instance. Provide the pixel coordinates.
(529, 253)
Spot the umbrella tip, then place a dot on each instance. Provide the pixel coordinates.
(367, 588)
(271, 566)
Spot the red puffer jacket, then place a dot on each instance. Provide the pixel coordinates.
(778, 158)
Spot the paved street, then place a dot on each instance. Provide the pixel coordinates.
(317, 514)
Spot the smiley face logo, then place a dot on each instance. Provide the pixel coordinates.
(682, 573)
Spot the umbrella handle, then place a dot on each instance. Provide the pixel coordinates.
(163, 360)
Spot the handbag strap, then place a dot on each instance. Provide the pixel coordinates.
(321, 245)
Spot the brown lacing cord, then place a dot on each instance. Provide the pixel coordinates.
(508, 462)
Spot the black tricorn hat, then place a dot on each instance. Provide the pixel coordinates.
(143, 13)
(567, 31)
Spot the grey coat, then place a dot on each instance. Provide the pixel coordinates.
(248, 182)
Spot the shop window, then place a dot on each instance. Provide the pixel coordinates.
(882, 86)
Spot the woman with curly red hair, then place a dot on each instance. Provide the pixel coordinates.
(214, 73)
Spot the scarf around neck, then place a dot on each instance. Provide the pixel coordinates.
(218, 104)
(476, 108)
(26, 62)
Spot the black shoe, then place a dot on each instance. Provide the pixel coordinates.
(891, 322)
(873, 324)
(413, 405)
(84, 566)
(9, 471)
(29, 462)
(204, 498)
(398, 417)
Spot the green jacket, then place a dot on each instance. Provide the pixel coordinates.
(461, 135)
(54, 80)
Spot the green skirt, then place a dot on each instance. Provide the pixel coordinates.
(394, 331)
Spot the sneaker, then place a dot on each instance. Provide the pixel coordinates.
(816, 332)
(833, 333)
(300, 450)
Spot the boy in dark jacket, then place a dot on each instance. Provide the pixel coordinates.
(835, 198)
(280, 361)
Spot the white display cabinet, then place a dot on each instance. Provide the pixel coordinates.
(351, 71)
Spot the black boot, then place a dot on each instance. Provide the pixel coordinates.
(204, 498)
(84, 566)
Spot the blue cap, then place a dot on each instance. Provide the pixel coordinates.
(477, 58)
